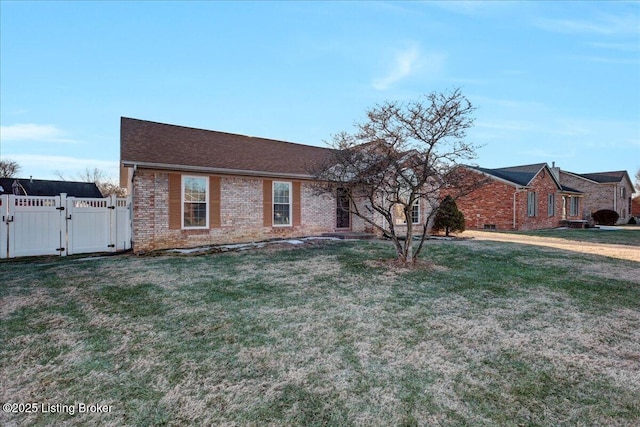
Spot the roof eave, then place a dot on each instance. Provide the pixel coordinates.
(212, 170)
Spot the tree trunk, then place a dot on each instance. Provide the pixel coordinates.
(408, 256)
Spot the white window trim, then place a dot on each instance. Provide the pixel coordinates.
(206, 180)
(551, 205)
(273, 203)
(400, 218)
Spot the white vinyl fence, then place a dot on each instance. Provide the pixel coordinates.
(61, 225)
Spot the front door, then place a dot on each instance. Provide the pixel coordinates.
(343, 216)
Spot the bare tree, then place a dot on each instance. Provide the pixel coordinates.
(637, 184)
(106, 185)
(405, 152)
(9, 168)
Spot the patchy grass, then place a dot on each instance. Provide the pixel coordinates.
(490, 334)
(623, 235)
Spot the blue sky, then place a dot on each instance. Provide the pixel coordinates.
(552, 81)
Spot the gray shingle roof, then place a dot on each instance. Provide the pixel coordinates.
(41, 187)
(604, 177)
(520, 175)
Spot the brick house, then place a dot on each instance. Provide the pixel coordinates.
(602, 190)
(193, 187)
(524, 197)
(635, 207)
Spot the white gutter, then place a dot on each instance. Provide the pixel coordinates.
(221, 171)
(131, 215)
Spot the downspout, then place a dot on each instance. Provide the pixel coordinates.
(131, 215)
(515, 193)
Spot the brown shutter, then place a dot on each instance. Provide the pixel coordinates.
(214, 202)
(297, 208)
(175, 201)
(267, 205)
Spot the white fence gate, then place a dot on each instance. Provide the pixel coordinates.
(61, 225)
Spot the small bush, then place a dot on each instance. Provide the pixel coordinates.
(606, 217)
(448, 217)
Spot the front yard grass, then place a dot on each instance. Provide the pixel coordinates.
(491, 334)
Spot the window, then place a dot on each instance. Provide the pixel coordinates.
(574, 206)
(195, 203)
(415, 212)
(281, 203)
(343, 217)
(400, 218)
(532, 204)
(551, 204)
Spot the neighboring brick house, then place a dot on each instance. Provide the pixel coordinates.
(524, 197)
(193, 187)
(635, 207)
(602, 190)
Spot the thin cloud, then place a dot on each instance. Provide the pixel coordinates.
(604, 25)
(622, 47)
(404, 65)
(604, 60)
(33, 132)
(475, 8)
(550, 154)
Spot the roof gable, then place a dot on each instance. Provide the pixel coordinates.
(168, 146)
(42, 187)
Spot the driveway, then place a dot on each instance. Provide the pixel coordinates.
(631, 253)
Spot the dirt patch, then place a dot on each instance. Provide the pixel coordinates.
(631, 253)
(396, 267)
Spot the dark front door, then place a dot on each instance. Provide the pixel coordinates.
(343, 217)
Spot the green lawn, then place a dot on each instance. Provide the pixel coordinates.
(619, 236)
(489, 334)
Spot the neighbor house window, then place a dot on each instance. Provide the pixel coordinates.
(415, 212)
(400, 217)
(195, 201)
(574, 206)
(532, 204)
(281, 203)
(551, 204)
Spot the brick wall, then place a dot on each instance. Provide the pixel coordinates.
(491, 205)
(241, 214)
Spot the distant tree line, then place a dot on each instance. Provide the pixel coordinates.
(106, 185)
